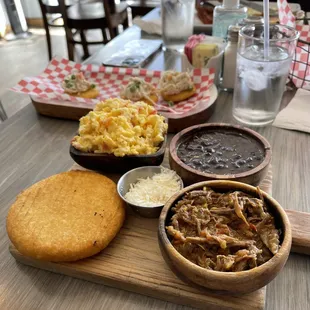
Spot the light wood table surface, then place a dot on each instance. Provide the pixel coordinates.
(33, 147)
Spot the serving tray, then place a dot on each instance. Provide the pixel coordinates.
(176, 122)
(133, 262)
(49, 98)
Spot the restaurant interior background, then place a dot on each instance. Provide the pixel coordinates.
(28, 56)
(34, 147)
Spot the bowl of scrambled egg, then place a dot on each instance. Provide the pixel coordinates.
(119, 135)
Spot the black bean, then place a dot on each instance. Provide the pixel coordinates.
(236, 165)
(207, 143)
(219, 153)
(182, 153)
(259, 157)
(210, 150)
(197, 162)
(236, 156)
(250, 166)
(249, 159)
(229, 149)
(223, 160)
(219, 166)
(213, 161)
(241, 162)
(205, 166)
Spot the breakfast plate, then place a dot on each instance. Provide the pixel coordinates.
(50, 98)
(133, 262)
(176, 122)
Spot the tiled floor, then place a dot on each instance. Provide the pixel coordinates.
(28, 58)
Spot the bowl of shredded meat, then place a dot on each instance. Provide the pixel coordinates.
(224, 235)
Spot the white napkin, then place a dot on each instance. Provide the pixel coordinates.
(152, 26)
(296, 116)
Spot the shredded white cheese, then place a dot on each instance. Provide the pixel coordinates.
(154, 191)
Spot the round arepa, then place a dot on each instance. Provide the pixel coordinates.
(66, 217)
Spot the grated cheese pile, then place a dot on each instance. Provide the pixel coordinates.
(154, 191)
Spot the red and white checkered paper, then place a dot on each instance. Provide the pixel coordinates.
(286, 16)
(300, 68)
(109, 81)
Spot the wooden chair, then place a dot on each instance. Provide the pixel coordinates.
(3, 115)
(48, 10)
(103, 14)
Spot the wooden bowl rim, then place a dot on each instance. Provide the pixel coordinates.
(175, 143)
(160, 151)
(219, 275)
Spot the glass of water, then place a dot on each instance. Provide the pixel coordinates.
(177, 22)
(261, 77)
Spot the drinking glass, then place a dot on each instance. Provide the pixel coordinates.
(177, 22)
(261, 78)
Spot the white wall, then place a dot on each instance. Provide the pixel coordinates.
(31, 8)
(4, 21)
(3, 11)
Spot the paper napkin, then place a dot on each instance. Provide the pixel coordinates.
(296, 116)
(149, 26)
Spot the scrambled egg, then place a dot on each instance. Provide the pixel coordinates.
(120, 127)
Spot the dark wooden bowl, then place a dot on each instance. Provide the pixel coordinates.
(112, 163)
(191, 175)
(228, 282)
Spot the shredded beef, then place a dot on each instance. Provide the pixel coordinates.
(223, 232)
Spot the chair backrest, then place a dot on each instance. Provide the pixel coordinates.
(63, 12)
(109, 10)
(44, 12)
(49, 9)
(69, 36)
(3, 115)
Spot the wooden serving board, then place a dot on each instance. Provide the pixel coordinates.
(133, 262)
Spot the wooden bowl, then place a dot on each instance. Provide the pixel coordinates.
(191, 175)
(112, 163)
(228, 282)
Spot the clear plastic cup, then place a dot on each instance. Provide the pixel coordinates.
(260, 82)
(177, 22)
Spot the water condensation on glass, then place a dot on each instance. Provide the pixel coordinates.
(177, 21)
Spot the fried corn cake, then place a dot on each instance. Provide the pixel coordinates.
(66, 217)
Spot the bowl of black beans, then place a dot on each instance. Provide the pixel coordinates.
(220, 152)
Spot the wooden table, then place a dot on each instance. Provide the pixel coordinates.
(33, 147)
